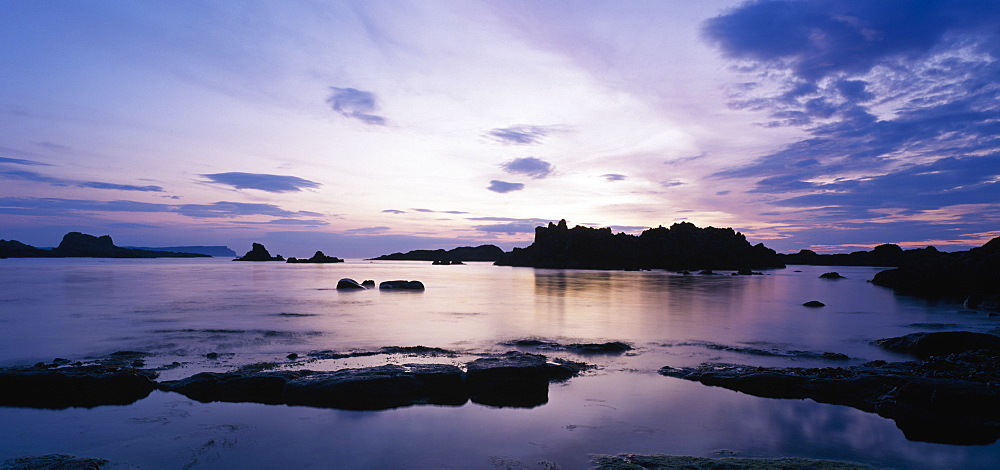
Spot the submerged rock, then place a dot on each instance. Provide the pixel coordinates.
(381, 387)
(401, 285)
(84, 386)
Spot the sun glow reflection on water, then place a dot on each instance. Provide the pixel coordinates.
(181, 310)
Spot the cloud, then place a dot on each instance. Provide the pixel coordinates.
(510, 228)
(40, 178)
(898, 101)
(504, 187)
(236, 209)
(355, 104)
(614, 177)
(393, 211)
(262, 182)
(529, 166)
(19, 161)
(368, 230)
(672, 183)
(519, 135)
(431, 211)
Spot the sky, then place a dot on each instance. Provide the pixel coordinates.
(371, 127)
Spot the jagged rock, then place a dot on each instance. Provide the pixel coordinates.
(681, 247)
(319, 257)
(401, 285)
(349, 284)
(940, 343)
(831, 275)
(44, 386)
(259, 253)
(814, 303)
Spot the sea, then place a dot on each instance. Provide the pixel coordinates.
(195, 315)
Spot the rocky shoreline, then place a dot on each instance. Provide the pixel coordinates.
(951, 395)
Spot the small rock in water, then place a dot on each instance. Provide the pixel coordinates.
(404, 285)
(212, 355)
(348, 283)
(831, 275)
(814, 303)
(368, 283)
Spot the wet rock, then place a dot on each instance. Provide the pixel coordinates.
(349, 284)
(401, 285)
(940, 343)
(814, 304)
(381, 387)
(946, 399)
(368, 283)
(259, 253)
(611, 347)
(54, 462)
(513, 379)
(75, 386)
(989, 303)
(237, 387)
(634, 461)
(831, 275)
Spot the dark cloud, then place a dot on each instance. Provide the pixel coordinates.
(529, 166)
(393, 211)
(40, 178)
(262, 182)
(614, 177)
(520, 135)
(504, 187)
(19, 161)
(355, 104)
(899, 100)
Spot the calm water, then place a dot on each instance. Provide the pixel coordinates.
(181, 310)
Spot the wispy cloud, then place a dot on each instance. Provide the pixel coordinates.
(355, 104)
(519, 135)
(40, 178)
(431, 211)
(498, 186)
(216, 210)
(19, 161)
(393, 211)
(368, 230)
(262, 182)
(614, 177)
(529, 166)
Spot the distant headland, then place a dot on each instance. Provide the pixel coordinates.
(81, 245)
(683, 246)
(462, 253)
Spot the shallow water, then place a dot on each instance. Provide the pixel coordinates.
(181, 310)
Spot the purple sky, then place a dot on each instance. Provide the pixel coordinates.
(364, 128)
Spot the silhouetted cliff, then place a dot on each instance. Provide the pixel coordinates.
(961, 274)
(462, 253)
(682, 246)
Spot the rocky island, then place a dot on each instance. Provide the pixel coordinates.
(683, 246)
(462, 253)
